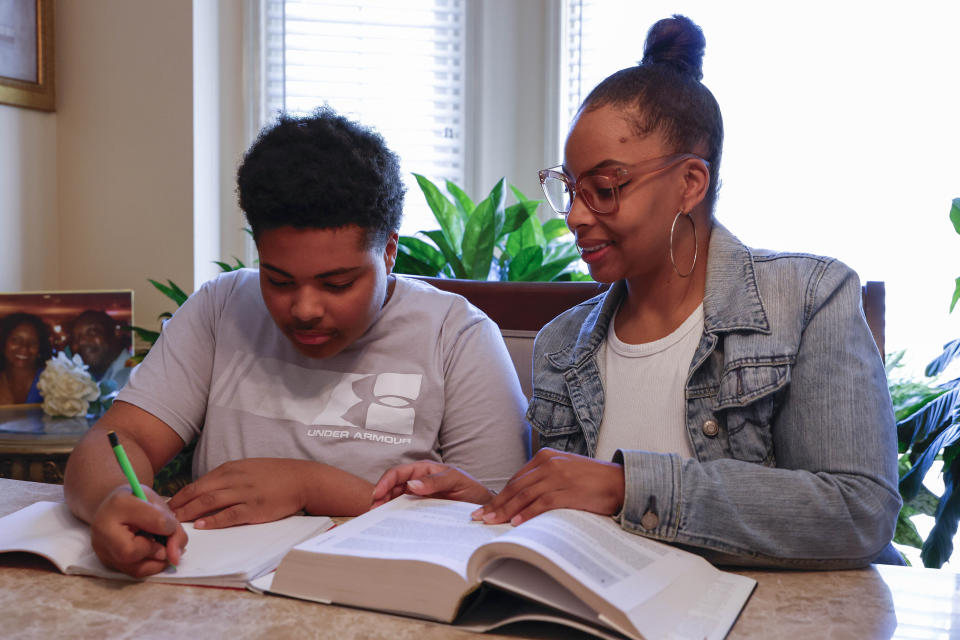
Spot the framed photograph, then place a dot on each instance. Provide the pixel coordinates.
(26, 54)
(36, 326)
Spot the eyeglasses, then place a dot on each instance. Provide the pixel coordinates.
(600, 188)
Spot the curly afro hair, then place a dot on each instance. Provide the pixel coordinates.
(321, 171)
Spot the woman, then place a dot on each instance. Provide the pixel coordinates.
(24, 348)
(722, 398)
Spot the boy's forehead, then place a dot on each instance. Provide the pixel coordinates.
(300, 251)
(288, 236)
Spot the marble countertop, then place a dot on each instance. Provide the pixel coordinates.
(39, 602)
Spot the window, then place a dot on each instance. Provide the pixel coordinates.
(838, 140)
(398, 67)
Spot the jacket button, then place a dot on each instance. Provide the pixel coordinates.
(650, 520)
(710, 429)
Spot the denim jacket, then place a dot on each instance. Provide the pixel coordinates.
(787, 410)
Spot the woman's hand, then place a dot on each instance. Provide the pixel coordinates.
(556, 480)
(244, 492)
(429, 479)
(118, 528)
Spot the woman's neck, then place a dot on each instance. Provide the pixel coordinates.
(655, 305)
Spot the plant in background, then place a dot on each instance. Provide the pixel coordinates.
(488, 240)
(928, 429)
(179, 296)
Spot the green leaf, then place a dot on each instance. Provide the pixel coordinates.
(530, 234)
(909, 396)
(950, 351)
(146, 335)
(409, 265)
(464, 204)
(929, 420)
(910, 483)
(481, 232)
(416, 257)
(517, 214)
(172, 291)
(906, 532)
(956, 295)
(177, 290)
(524, 263)
(555, 228)
(950, 453)
(925, 502)
(562, 251)
(453, 260)
(443, 210)
(955, 214)
(938, 547)
(226, 266)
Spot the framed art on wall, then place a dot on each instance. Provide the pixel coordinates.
(26, 54)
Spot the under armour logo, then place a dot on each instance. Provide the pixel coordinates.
(385, 402)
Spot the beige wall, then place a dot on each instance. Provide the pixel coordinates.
(124, 154)
(28, 191)
(100, 194)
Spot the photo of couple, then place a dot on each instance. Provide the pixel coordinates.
(36, 326)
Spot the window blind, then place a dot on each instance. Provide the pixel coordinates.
(398, 67)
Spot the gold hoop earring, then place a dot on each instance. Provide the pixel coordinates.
(695, 246)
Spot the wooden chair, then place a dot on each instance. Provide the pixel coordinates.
(875, 309)
(521, 309)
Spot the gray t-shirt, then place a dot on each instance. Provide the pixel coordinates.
(430, 379)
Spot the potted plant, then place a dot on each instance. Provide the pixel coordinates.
(928, 429)
(489, 240)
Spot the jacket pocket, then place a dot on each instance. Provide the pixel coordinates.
(748, 398)
(556, 424)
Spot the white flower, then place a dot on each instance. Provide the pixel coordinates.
(67, 387)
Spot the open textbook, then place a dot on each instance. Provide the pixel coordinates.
(215, 557)
(427, 558)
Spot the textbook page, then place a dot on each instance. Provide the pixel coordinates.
(436, 531)
(664, 591)
(215, 557)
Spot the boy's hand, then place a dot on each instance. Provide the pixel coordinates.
(244, 492)
(556, 480)
(118, 528)
(429, 479)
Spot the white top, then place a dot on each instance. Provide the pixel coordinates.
(430, 379)
(643, 391)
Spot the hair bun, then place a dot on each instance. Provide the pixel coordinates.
(678, 42)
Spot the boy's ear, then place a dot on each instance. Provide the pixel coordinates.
(390, 251)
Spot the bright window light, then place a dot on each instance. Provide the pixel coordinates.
(841, 134)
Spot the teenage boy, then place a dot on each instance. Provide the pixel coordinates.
(307, 380)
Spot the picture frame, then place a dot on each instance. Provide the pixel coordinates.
(68, 318)
(26, 54)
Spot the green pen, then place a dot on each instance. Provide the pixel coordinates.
(131, 476)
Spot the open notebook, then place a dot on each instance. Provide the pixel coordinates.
(217, 557)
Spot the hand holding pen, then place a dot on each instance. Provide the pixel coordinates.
(125, 527)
